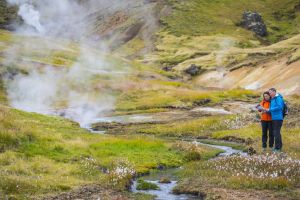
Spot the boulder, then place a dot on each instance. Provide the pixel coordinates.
(167, 68)
(193, 70)
(253, 21)
(165, 180)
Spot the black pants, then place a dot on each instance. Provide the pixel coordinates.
(267, 132)
(276, 125)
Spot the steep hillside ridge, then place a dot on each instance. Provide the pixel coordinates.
(175, 35)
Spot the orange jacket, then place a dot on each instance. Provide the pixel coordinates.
(265, 116)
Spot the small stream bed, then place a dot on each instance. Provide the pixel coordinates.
(165, 191)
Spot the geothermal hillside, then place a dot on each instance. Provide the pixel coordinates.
(147, 99)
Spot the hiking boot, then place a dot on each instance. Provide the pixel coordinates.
(264, 149)
(277, 150)
(272, 148)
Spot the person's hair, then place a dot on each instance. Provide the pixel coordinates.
(266, 92)
(273, 89)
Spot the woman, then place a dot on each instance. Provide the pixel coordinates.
(266, 121)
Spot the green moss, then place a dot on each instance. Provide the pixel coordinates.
(145, 185)
(144, 154)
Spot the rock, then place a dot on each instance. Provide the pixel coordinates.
(251, 151)
(254, 22)
(193, 70)
(202, 102)
(233, 139)
(161, 166)
(164, 180)
(167, 68)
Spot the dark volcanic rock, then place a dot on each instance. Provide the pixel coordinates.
(254, 22)
(193, 70)
(167, 68)
(202, 102)
(251, 151)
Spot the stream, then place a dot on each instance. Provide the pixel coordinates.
(165, 191)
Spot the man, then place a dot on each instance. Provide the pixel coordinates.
(276, 110)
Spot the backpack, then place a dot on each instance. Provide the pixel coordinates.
(285, 110)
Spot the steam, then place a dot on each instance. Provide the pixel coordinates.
(69, 92)
(34, 92)
(31, 17)
(225, 44)
(66, 91)
(221, 55)
(63, 18)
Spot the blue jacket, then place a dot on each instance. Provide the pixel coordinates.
(276, 108)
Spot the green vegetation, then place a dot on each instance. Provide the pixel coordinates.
(210, 177)
(207, 33)
(244, 173)
(195, 152)
(145, 185)
(177, 98)
(7, 14)
(41, 155)
(202, 127)
(205, 17)
(59, 155)
(290, 136)
(295, 56)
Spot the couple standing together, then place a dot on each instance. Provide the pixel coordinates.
(273, 109)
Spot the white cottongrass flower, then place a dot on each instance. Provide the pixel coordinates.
(259, 166)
